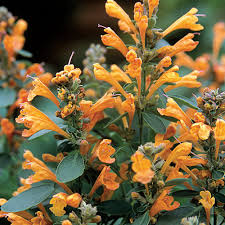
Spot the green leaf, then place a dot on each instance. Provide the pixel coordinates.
(185, 193)
(216, 174)
(24, 53)
(7, 96)
(154, 122)
(38, 134)
(70, 168)
(220, 197)
(29, 198)
(176, 181)
(184, 101)
(115, 120)
(114, 207)
(142, 220)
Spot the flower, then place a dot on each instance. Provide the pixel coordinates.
(185, 44)
(152, 4)
(142, 167)
(52, 158)
(59, 203)
(187, 21)
(219, 36)
(119, 74)
(7, 127)
(74, 200)
(34, 119)
(172, 109)
(219, 132)
(163, 202)
(201, 130)
(113, 40)
(207, 201)
(42, 90)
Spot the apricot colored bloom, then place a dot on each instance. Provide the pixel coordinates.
(74, 200)
(106, 178)
(219, 71)
(163, 202)
(84, 147)
(42, 90)
(51, 158)
(172, 109)
(142, 167)
(119, 75)
(219, 37)
(123, 171)
(182, 149)
(199, 117)
(152, 4)
(114, 10)
(201, 130)
(34, 119)
(39, 219)
(189, 81)
(201, 63)
(102, 74)
(113, 40)
(187, 21)
(7, 127)
(17, 220)
(59, 203)
(66, 222)
(185, 44)
(25, 186)
(35, 68)
(168, 76)
(207, 201)
(219, 132)
(165, 62)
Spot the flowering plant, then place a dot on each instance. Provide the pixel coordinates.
(126, 151)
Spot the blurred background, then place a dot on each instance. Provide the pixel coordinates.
(56, 28)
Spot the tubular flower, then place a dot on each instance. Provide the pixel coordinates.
(187, 21)
(182, 149)
(185, 44)
(219, 36)
(17, 220)
(104, 151)
(7, 127)
(201, 130)
(42, 90)
(107, 179)
(142, 167)
(189, 81)
(66, 222)
(119, 74)
(52, 158)
(129, 106)
(114, 10)
(59, 203)
(113, 40)
(172, 109)
(201, 63)
(36, 121)
(152, 4)
(25, 187)
(102, 74)
(207, 201)
(168, 76)
(36, 69)
(219, 132)
(163, 202)
(165, 62)
(39, 219)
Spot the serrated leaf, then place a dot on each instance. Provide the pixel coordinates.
(29, 198)
(154, 122)
(114, 207)
(176, 181)
(142, 220)
(7, 96)
(70, 168)
(184, 101)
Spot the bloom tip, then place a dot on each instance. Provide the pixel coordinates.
(71, 56)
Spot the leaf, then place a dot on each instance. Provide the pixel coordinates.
(38, 134)
(70, 168)
(176, 181)
(24, 53)
(185, 193)
(216, 174)
(29, 198)
(114, 207)
(7, 96)
(142, 220)
(220, 197)
(184, 101)
(115, 120)
(154, 122)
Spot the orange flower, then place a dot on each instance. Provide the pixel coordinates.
(207, 201)
(36, 121)
(168, 76)
(52, 158)
(172, 109)
(113, 40)
(74, 200)
(84, 147)
(123, 171)
(219, 36)
(36, 69)
(185, 44)
(152, 4)
(142, 167)
(187, 21)
(105, 178)
(219, 132)
(59, 203)
(7, 127)
(66, 222)
(189, 80)
(163, 202)
(102, 74)
(104, 151)
(42, 90)
(119, 74)
(20, 27)
(20, 189)
(165, 62)
(114, 10)
(39, 219)
(219, 70)
(17, 220)
(200, 130)
(129, 106)
(182, 149)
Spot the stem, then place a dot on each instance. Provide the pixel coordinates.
(147, 190)
(65, 187)
(43, 210)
